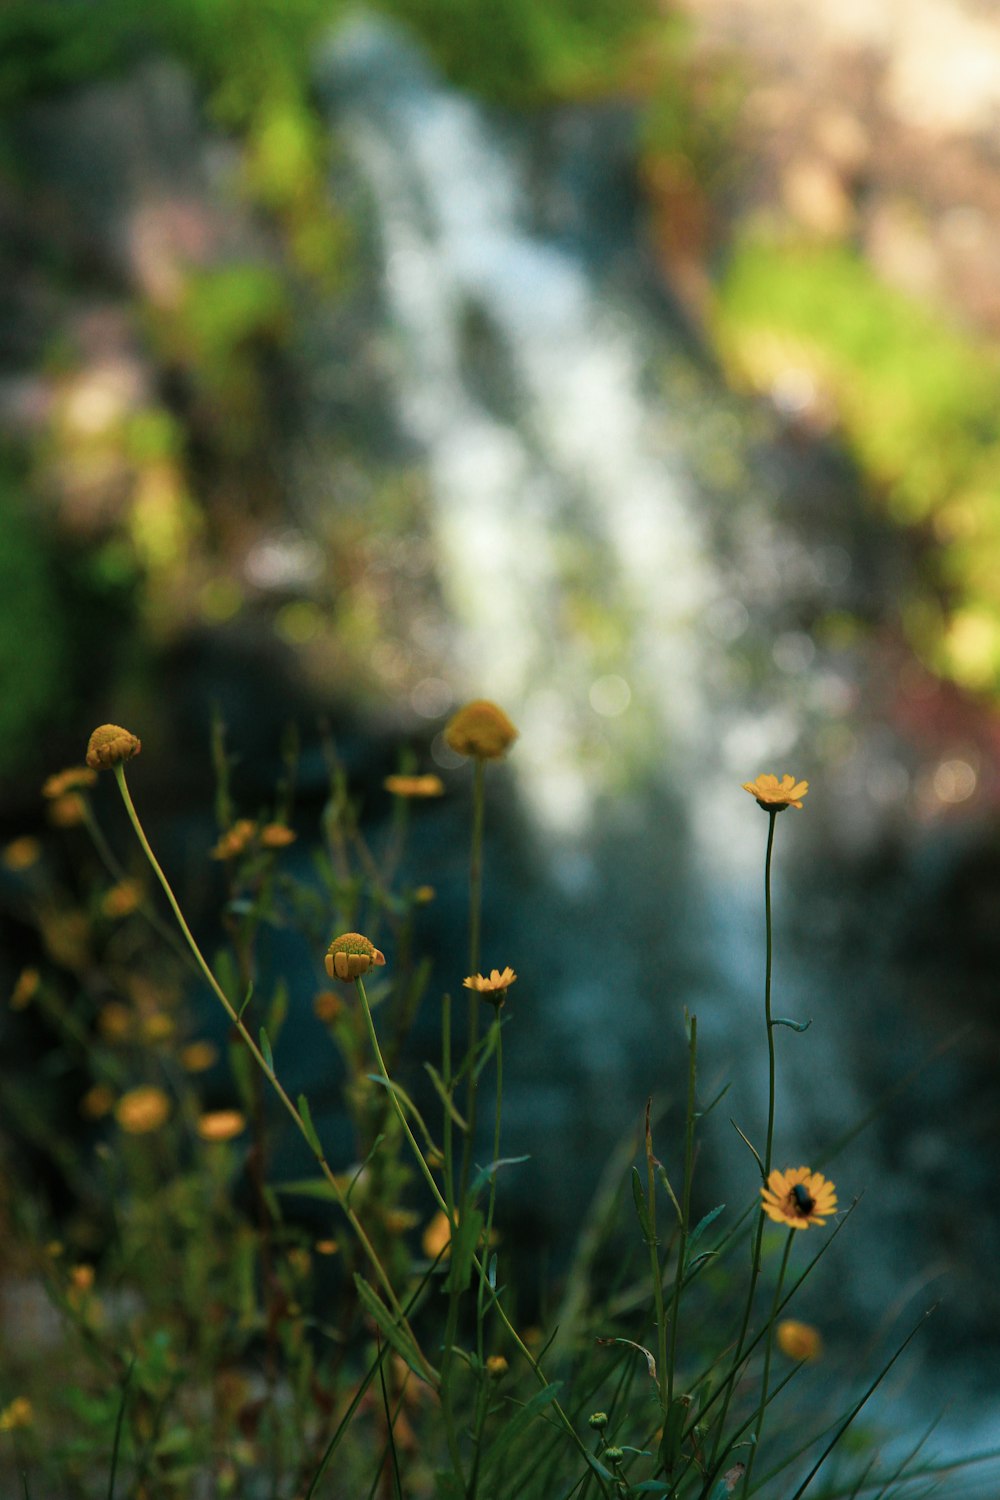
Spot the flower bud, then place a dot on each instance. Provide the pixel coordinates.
(481, 730)
(351, 955)
(110, 745)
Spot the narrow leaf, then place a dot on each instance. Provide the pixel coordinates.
(753, 1148)
(445, 1097)
(514, 1426)
(279, 1010)
(702, 1225)
(463, 1247)
(640, 1348)
(246, 1000)
(640, 1204)
(407, 1104)
(795, 1025)
(395, 1335)
(728, 1482)
(265, 1047)
(312, 1187)
(485, 1173)
(307, 1123)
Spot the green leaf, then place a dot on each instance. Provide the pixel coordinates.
(394, 1334)
(308, 1126)
(639, 1198)
(309, 1187)
(265, 1047)
(485, 1173)
(650, 1487)
(407, 1104)
(795, 1025)
(464, 1243)
(246, 1001)
(445, 1097)
(514, 1426)
(278, 1010)
(702, 1225)
(673, 1432)
(753, 1148)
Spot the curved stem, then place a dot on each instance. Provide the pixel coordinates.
(430, 1374)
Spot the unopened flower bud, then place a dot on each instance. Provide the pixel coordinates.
(481, 730)
(110, 745)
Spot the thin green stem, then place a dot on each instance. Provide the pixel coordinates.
(686, 1199)
(656, 1269)
(765, 1377)
(430, 1374)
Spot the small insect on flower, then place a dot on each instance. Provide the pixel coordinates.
(798, 1197)
(774, 795)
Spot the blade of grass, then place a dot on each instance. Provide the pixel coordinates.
(116, 1445)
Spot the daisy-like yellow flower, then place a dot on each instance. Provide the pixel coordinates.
(111, 745)
(774, 795)
(221, 1125)
(798, 1197)
(798, 1340)
(494, 988)
(351, 955)
(142, 1110)
(67, 811)
(481, 730)
(414, 786)
(22, 853)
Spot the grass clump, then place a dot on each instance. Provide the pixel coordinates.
(247, 1300)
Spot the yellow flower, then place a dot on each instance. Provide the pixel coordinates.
(70, 780)
(235, 840)
(67, 811)
(25, 989)
(97, 1102)
(326, 1247)
(81, 1278)
(414, 786)
(496, 1366)
(799, 1340)
(19, 1413)
(110, 745)
(798, 1197)
(22, 853)
(437, 1236)
(142, 1110)
(774, 794)
(277, 836)
(121, 900)
(221, 1125)
(494, 989)
(351, 955)
(327, 1006)
(198, 1057)
(481, 730)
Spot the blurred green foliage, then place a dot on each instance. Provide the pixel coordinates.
(33, 632)
(917, 402)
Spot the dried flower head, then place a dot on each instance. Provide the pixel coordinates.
(774, 795)
(799, 1340)
(73, 779)
(351, 955)
(221, 1125)
(111, 745)
(481, 730)
(414, 786)
(142, 1110)
(494, 989)
(798, 1197)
